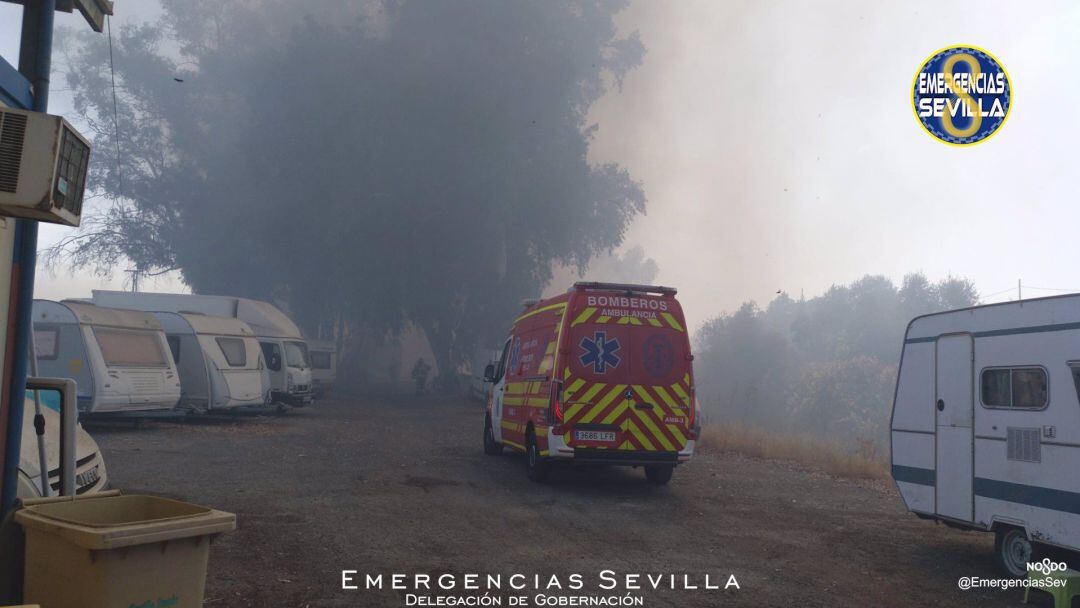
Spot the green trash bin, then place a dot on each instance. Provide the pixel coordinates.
(118, 551)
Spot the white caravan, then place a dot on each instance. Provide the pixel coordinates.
(119, 358)
(219, 360)
(323, 355)
(284, 350)
(986, 423)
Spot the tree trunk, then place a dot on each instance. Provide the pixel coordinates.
(442, 348)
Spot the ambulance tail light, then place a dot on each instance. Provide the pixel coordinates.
(692, 420)
(556, 410)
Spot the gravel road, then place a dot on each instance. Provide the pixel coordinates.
(402, 486)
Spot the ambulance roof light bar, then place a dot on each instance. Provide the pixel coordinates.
(627, 287)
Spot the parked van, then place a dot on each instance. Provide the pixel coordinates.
(600, 374)
(219, 360)
(323, 365)
(90, 474)
(986, 423)
(119, 358)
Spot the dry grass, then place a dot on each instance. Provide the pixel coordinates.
(863, 463)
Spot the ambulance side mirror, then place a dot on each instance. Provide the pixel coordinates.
(489, 373)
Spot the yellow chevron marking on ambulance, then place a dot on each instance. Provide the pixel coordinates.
(656, 432)
(642, 439)
(655, 322)
(665, 396)
(599, 406)
(540, 310)
(583, 317)
(645, 397)
(593, 390)
(686, 378)
(573, 388)
(537, 401)
(675, 432)
(566, 374)
(513, 400)
(510, 426)
(681, 393)
(671, 321)
(573, 409)
(615, 413)
(629, 321)
(602, 319)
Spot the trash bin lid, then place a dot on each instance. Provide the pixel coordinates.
(122, 521)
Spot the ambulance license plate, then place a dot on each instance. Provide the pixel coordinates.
(594, 435)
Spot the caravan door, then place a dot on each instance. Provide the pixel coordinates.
(274, 358)
(955, 409)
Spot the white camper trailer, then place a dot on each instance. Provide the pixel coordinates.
(219, 360)
(986, 423)
(323, 355)
(119, 358)
(284, 350)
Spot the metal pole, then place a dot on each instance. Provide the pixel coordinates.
(39, 426)
(35, 60)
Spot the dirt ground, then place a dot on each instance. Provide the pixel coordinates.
(387, 486)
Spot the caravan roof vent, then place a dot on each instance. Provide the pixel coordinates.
(43, 167)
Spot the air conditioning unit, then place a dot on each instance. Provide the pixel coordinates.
(43, 166)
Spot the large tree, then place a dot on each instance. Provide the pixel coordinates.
(824, 365)
(375, 162)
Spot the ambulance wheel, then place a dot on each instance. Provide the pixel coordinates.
(535, 466)
(491, 447)
(659, 475)
(1013, 551)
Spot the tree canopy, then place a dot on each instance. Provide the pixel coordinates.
(824, 366)
(367, 163)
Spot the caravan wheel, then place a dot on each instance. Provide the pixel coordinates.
(1013, 551)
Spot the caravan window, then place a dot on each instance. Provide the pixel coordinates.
(174, 347)
(1014, 387)
(272, 354)
(296, 354)
(46, 342)
(126, 348)
(1074, 367)
(234, 350)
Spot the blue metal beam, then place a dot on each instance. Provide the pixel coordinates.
(14, 87)
(35, 59)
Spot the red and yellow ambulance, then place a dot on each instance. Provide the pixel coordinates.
(599, 374)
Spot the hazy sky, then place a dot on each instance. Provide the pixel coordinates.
(778, 149)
